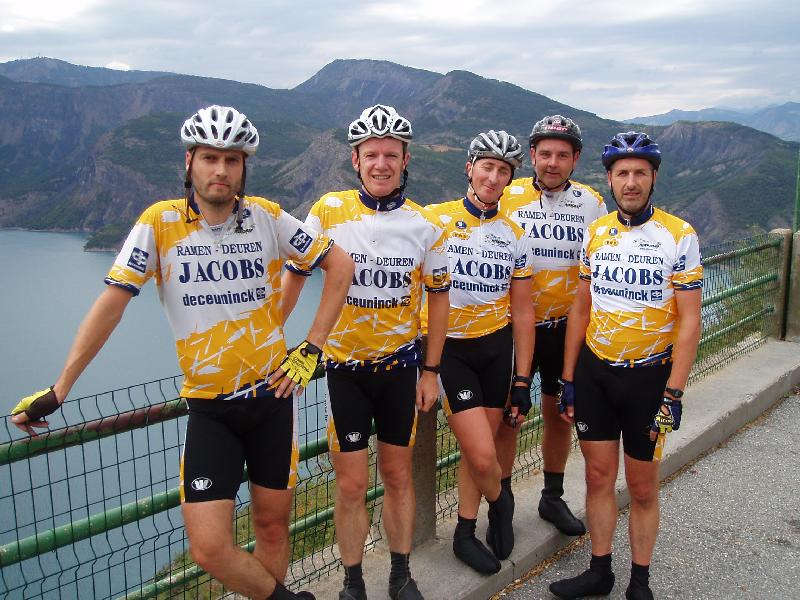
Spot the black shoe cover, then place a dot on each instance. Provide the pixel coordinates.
(588, 583)
(558, 513)
(470, 551)
(306, 596)
(351, 592)
(407, 590)
(638, 592)
(501, 524)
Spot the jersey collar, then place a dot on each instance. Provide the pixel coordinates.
(639, 219)
(382, 205)
(477, 212)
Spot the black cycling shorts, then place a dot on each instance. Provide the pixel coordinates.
(224, 435)
(548, 355)
(476, 372)
(356, 398)
(610, 401)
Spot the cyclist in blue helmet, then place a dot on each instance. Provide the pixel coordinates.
(631, 339)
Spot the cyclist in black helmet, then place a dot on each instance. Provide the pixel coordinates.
(555, 213)
(631, 340)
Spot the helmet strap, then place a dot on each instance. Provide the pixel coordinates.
(187, 187)
(240, 202)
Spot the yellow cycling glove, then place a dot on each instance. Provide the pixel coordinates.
(300, 364)
(38, 405)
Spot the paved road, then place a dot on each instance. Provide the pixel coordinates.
(730, 524)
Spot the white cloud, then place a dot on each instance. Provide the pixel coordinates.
(618, 58)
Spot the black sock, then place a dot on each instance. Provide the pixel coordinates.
(281, 593)
(601, 564)
(401, 571)
(553, 485)
(465, 527)
(640, 574)
(505, 483)
(353, 577)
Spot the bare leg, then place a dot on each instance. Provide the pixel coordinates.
(209, 527)
(270, 511)
(642, 477)
(602, 459)
(350, 513)
(399, 501)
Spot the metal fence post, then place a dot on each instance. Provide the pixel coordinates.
(793, 295)
(424, 474)
(784, 275)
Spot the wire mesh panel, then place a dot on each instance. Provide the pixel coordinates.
(741, 280)
(91, 508)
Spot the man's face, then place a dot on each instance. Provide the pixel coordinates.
(381, 162)
(631, 180)
(489, 177)
(553, 160)
(216, 174)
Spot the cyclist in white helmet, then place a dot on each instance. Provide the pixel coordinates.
(555, 212)
(490, 273)
(373, 354)
(216, 256)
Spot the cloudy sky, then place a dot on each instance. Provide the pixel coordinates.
(619, 59)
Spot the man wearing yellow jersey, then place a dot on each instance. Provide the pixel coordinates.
(491, 277)
(631, 340)
(373, 353)
(216, 257)
(555, 213)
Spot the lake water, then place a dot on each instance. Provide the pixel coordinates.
(49, 284)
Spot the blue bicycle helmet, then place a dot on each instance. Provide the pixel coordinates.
(632, 144)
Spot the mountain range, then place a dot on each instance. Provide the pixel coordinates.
(782, 121)
(86, 149)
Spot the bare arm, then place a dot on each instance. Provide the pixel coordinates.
(97, 326)
(523, 327)
(577, 324)
(339, 269)
(438, 315)
(291, 286)
(689, 327)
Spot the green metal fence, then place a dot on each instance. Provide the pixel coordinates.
(91, 509)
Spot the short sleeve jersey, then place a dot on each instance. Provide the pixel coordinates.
(555, 225)
(397, 251)
(634, 273)
(220, 289)
(486, 250)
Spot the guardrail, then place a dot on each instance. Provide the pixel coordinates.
(90, 509)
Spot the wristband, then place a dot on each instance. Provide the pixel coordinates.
(522, 379)
(431, 368)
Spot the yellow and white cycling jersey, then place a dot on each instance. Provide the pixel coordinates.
(555, 224)
(397, 250)
(486, 250)
(634, 272)
(221, 289)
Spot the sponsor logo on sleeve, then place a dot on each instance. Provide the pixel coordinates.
(681, 264)
(138, 260)
(465, 395)
(439, 276)
(301, 241)
(521, 261)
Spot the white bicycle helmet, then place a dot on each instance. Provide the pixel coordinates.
(220, 127)
(496, 144)
(379, 121)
